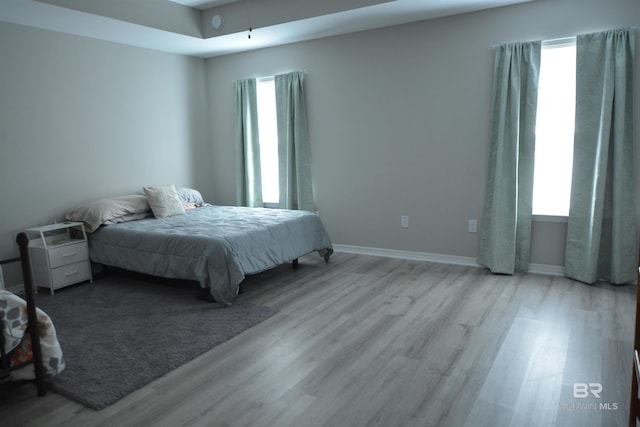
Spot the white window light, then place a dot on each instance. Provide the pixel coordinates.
(555, 125)
(268, 131)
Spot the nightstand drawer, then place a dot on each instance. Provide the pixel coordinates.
(68, 254)
(71, 273)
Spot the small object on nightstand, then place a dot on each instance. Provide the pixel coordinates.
(59, 255)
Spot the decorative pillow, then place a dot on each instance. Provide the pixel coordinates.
(14, 321)
(190, 197)
(105, 211)
(164, 201)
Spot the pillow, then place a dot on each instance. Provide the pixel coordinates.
(14, 321)
(102, 211)
(164, 201)
(129, 217)
(190, 197)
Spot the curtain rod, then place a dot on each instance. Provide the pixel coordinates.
(564, 39)
(273, 75)
(552, 41)
(561, 40)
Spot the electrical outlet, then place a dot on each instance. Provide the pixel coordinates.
(404, 221)
(473, 226)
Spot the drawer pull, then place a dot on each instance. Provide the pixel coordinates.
(68, 255)
(71, 273)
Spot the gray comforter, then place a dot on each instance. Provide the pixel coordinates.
(215, 245)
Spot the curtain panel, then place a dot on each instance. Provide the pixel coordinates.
(505, 237)
(246, 135)
(294, 151)
(601, 234)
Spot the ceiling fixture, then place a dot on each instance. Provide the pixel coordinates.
(217, 21)
(246, 6)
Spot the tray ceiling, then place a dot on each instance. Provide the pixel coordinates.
(184, 26)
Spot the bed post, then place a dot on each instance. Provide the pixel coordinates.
(23, 242)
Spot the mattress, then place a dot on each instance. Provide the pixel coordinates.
(215, 245)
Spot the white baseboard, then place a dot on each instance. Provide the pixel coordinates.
(550, 270)
(409, 255)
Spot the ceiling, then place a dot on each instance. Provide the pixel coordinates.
(184, 26)
(203, 4)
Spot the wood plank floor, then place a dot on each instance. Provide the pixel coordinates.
(369, 341)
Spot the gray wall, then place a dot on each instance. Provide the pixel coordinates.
(82, 119)
(399, 121)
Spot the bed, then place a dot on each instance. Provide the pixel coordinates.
(215, 245)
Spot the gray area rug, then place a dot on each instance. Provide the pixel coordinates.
(123, 331)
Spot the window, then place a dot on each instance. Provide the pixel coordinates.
(555, 129)
(268, 130)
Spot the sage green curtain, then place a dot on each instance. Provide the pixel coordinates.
(294, 152)
(601, 235)
(246, 135)
(505, 235)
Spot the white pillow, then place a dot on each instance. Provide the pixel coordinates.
(190, 196)
(164, 201)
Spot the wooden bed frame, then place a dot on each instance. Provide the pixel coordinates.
(23, 242)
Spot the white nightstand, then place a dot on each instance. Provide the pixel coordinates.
(59, 255)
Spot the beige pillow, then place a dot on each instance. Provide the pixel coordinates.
(164, 201)
(106, 211)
